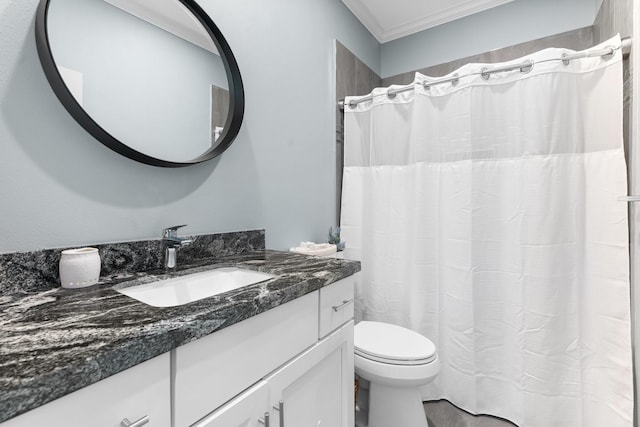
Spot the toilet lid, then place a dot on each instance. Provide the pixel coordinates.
(393, 344)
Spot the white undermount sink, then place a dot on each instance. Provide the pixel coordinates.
(193, 287)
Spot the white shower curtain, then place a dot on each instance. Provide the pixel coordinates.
(486, 217)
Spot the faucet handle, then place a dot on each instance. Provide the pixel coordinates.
(171, 232)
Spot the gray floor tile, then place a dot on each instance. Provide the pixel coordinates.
(443, 414)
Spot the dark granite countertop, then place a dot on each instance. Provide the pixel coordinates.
(56, 341)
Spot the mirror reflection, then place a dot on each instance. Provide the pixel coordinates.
(147, 72)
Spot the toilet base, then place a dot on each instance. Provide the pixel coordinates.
(395, 406)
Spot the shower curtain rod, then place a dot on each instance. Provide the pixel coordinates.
(486, 72)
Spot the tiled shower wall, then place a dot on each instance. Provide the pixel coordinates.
(616, 17)
(353, 77)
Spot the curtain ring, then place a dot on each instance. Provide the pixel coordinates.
(527, 68)
(608, 56)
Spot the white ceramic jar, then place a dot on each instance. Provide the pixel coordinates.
(79, 267)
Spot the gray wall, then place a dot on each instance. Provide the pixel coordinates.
(60, 187)
(506, 25)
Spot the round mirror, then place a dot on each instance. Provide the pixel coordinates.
(154, 80)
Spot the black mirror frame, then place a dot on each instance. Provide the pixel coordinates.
(236, 91)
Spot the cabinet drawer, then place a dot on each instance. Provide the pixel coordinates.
(336, 304)
(212, 370)
(143, 390)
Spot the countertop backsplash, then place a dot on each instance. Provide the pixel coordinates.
(38, 270)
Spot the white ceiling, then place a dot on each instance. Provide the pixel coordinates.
(389, 20)
(171, 16)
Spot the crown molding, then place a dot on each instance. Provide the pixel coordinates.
(414, 25)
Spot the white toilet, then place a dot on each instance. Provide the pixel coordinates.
(396, 361)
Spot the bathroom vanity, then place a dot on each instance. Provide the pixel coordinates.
(276, 353)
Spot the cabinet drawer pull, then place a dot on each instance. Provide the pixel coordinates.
(142, 421)
(264, 420)
(341, 306)
(280, 408)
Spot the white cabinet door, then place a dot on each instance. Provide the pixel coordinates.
(316, 388)
(212, 370)
(138, 392)
(243, 411)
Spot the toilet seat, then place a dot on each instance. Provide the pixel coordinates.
(392, 344)
(394, 362)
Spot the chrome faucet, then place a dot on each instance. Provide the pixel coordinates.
(171, 243)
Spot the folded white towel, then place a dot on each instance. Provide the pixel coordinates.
(318, 249)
